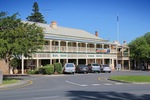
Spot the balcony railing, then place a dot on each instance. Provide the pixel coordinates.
(124, 54)
(72, 49)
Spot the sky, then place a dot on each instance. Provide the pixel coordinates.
(90, 15)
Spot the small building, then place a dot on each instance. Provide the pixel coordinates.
(123, 56)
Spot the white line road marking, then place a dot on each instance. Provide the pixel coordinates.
(107, 84)
(50, 97)
(92, 84)
(119, 83)
(84, 85)
(95, 84)
(75, 83)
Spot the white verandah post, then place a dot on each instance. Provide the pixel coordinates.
(22, 67)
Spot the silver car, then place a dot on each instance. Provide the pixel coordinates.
(69, 68)
(105, 68)
(94, 67)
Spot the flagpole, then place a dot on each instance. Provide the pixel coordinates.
(118, 42)
(118, 28)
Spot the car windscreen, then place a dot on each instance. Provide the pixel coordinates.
(105, 66)
(69, 65)
(95, 65)
(83, 66)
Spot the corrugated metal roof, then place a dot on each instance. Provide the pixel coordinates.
(78, 40)
(70, 33)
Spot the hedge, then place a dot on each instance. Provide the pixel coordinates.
(58, 68)
(33, 72)
(48, 69)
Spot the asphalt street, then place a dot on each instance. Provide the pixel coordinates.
(92, 86)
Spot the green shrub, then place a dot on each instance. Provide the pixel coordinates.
(42, 70)
(49, 69)
(32, 72)
(58, 68)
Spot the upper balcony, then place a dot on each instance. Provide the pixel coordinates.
(46, 48)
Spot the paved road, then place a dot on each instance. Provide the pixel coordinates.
(92, 86)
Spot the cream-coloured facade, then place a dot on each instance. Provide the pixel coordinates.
(76, 46)
(123, 56)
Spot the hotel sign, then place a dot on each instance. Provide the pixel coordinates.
(72, 56)
(100, 50)
(91, 56)
(59, 55)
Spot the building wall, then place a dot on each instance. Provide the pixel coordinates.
(3, 67)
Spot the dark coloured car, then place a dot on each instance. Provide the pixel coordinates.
(82, 68)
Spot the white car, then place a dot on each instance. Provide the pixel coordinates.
(105, 68)
(69, 68)
(94, 67)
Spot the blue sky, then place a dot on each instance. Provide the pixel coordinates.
(90, 15)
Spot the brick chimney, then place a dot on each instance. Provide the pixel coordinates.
(53, 24)
(96, 33)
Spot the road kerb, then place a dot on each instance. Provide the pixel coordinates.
(129, 82)
(19, 84)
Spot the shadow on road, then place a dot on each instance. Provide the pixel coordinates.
(92, 95)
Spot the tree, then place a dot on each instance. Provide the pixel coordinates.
(147, 37)
(139, 49)
(17, 38)
(36, 16)
(14, 63)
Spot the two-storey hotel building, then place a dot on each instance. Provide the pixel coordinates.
(77, 46)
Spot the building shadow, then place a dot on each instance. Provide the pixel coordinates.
(93, 95)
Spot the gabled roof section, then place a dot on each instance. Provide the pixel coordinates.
(68, 33)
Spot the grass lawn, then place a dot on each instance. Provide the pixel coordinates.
(9, 81)
(131, 78)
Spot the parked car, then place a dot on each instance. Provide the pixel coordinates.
(69, 68)
(82, 68)
(105, 68)
(94, 67)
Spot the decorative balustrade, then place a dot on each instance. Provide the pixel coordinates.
(91, 50)
(126, 54)
(113, 51)
(55, 49)
(72, 49)
(81, 49)
(46, 47)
